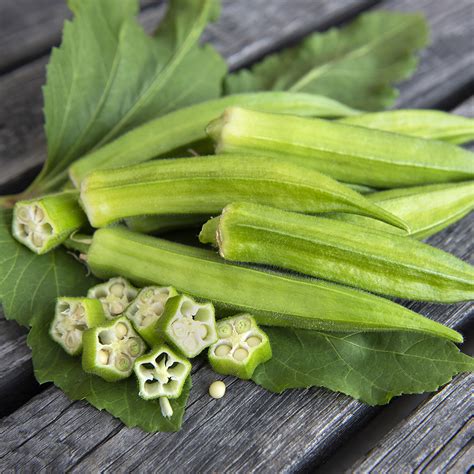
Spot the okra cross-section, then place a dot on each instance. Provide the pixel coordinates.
(115, 295)
(147, 308)
(188, 325)
(240, 348)
(111, 349)
(43, 224)
(72, 317)
(161, 373)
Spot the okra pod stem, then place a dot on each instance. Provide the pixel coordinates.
(345, 152)
(187, 125)
(338, 251)
(43, 224)
(274, 299)
(204, 185)
(430, 124)
(426, 209)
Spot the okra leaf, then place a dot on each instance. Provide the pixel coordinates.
(30, 283)
(356, 64)
(108, 75)
(120, 399)
(372, 367)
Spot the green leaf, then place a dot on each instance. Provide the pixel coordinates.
(108, 75)
(120, 399)
(355, 64)
(30, 283)
(371, 367)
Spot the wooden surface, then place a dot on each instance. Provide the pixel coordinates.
(249, 429)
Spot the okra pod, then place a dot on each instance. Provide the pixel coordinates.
(43, 224)
(426, 209)
(273, 298)
(147, 308)
(187, 125)
(430, 124)
(345, 152)
(338, 251)
(204, 185)
(240, 348)
(72, 317)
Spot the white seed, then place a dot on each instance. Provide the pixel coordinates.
(39, 214)
(242, 325)
(222, 350)
(116, 308)
(202, 331)
(37, 239)
(240, 354)
(253, 341)
(121, 330)
(217, 389)
(117, 290)
(23, 214)
(224, 330)
(103, 357)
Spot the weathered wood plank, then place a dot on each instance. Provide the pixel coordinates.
(436, 437)
(29, 28)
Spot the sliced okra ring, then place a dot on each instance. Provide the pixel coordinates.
(72, 317)
(161, 374)
(115, 295)
(146, 309)
(187, 325)
(111, 349)
(240, 348)
(43, 224)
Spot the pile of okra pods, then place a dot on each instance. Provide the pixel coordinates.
(312, 212)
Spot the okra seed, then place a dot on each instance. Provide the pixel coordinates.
(121, 330)
(116, 308)
(202, 331)
(253, 341)
(240, 354)
(222, 350)
(133, 348)
(37, 239)
(103, 357)
(217, 389)
(117, 290)
(23, 214)
(122, 362)
(242, 325)
(38, 214)
(224, 330)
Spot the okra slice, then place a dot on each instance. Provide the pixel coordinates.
(345, 152)
(188, 325)
(146, 309)
(115, 295)
(72, 317)
(240, 348)
(161, 373)
(187, 125)
(110, 350)
(43, 224)
(200, 185)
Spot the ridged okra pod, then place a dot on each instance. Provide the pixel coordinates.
(347, 153)
(115, 295)
(272, 298)
(110, 350)
(430, 124)
(240, 348)
(338, 251)
(44, 223)
(72, 317)
(187, 125)
(204, 185)
(426, 209)
(147, 308)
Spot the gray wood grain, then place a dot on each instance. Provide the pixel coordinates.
(436, 437)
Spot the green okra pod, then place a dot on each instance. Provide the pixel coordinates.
(347, 153)
(273, 298)
(430, 124)
(338, 251)
(44, 223)
(187, 125)
(204, 185)
(426, 209)
(240, 348)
